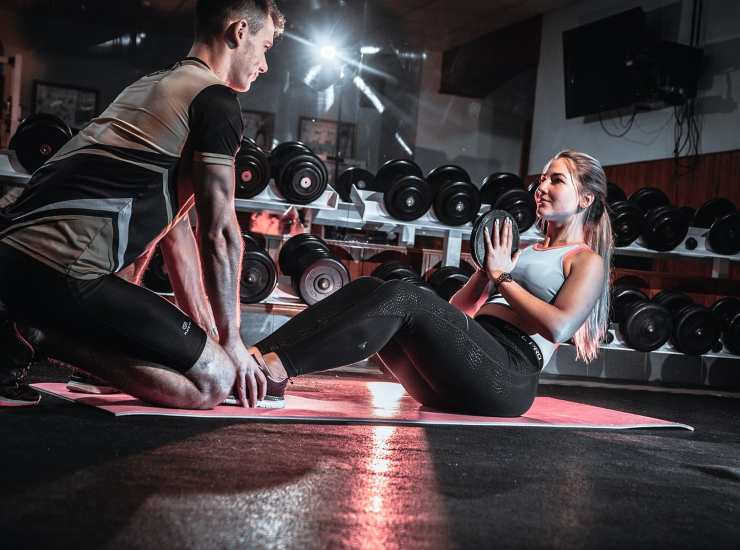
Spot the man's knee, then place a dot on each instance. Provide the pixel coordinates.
(213, 374)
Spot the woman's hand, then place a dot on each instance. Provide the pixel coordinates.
(498, 258)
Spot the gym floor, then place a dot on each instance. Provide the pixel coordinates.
(73, 476)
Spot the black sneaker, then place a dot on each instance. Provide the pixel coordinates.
(274, 396)
(82, 382)
(15, 360)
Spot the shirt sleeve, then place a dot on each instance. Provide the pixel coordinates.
(216, 125)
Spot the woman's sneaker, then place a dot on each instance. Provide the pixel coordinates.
(16, 356)
(82, 382)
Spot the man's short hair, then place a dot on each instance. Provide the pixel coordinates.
(211, 16)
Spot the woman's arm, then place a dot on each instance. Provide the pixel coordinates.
(574, 302)
(471, 297)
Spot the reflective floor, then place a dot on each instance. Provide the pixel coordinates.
(74, 476)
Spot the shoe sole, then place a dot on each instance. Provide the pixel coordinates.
(266, 403)
(81, 387)
(4, 402)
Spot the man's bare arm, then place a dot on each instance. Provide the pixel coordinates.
(182, 259)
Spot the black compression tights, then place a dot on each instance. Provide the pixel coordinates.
(443, 358)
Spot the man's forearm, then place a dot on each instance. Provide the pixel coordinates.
(221, 256)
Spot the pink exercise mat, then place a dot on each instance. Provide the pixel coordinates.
(332, 400)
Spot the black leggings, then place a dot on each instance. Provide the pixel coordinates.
(443, 358)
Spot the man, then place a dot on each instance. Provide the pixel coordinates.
(75, 243)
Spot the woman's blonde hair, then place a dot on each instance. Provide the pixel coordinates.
(590, 178)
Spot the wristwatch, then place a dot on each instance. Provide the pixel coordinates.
(503, 278)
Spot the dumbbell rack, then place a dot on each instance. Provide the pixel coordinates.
(367, 212)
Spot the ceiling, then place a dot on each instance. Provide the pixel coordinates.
(428, 24)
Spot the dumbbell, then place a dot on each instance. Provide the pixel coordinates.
(359, 177)
(695, 328)
(477, 235)
(722, 219)
(614, 193)
(38, 138)
(251, 170)
(314, 271)
(401, 271)
(505, 191)
(299, 174)
(644, 325)
(456, 199)
(155, 277)
(259, 274)
(727, 312)
(663, 226)
(447, 280)
(406, 194)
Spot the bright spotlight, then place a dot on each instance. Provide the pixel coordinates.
(328, 52)
(369, 50)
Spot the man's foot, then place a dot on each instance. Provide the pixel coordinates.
(275, 394)
(16, 356)
(82, 382)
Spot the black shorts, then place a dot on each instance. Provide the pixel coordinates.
(106, 313)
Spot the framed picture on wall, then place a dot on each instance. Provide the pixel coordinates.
(259, 126)
(74, 105)
(321, 136)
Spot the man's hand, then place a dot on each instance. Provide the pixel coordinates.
(250, 384)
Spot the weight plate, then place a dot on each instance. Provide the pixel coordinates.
(673, 301)
(445, 174)
(394, 170)
(456, 202)
(724, 235)
(251, 170)
(520, 204)
(288, 148)
(622, 300)
(477, 239)
(447, 280)
(711, 210)
(630, 280)
(287, 255)
(614, 193)
(407, 198)
(301, 179)
(497, 183)
(649, 198)
(695, 330)
(626, 219)
(258, 277)
(731, 336)
(395, 270)
(254, 241)
(646, 327)
(321, 279)
(38, 138)
(360, 178)
(725, 309)
(664, 228)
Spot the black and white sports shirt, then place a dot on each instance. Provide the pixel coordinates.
(112, 190)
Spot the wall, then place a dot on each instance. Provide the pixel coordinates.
(652, 134)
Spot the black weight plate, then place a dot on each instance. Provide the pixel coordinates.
(408, 198)
(456, 203)
(321, 279)
(307, 254)
(444, 174)
(254, 241)
(711, 210)
(360, 178)
(646, 327)
(626, 219)
(725, 309)
(622, 300)
(649, 198)
(673, 301)
(724, 235)
(533, 186)
(258, 277)
(496, 183)
(394, 270)
(614, 193)
(301, 179)
(288, 148)
(731, 336)
(664, 228)
(520, 204)
(251, 170)
(695, 330)
(38, 138)
(477, 239)
(447, 280)
(630, 280)
(287, 255)
(394, 170)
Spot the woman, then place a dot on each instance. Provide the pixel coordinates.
(474, 354)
